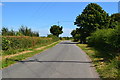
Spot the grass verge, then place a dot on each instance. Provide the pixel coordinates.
(106, 69)
(9, 61)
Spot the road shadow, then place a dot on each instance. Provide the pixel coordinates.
(69, 43)
(35, 60)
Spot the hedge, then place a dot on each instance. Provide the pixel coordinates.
(23, 42)
(106, 39)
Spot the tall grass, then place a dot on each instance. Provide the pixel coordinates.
(11, 44)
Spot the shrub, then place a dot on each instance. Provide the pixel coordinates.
(106, 40)
(55, 38)
(10, 43)
(76, 37)
(100, 38)
(5, 44)
(114, 38)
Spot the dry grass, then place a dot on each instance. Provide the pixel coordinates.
(24, 52)
(106, 69)
(9, 56)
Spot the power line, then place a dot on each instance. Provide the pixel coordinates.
(66, 21)
(58, 23)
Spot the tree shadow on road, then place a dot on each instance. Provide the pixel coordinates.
(69, 43)
(68, 61)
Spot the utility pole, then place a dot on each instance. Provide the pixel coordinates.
(119, 7)
(58, 23)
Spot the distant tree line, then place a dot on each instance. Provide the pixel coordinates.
(23, 31)
(65, 38)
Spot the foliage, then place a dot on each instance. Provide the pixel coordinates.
(56, 30)
(12, 43)
(19, 34)
(77, 37)
(55, 38)
(102, 33)
(92, 18)
(106, 69)
(65, 38)
(8, 61)
(28, 32)
(5, 44)
(106, 40)
(75, 34)
(114, 19)
(6, 32)
(23, 31)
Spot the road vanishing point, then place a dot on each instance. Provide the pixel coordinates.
(65, 60)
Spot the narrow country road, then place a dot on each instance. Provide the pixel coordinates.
(65, 60)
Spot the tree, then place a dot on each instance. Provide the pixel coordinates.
(36, 34)
(4, 31)
(50, 35)
(56, 30)
(19, 34)
(11, 33)
(75, 34)
(25, 31)
(116, 17)
(93, 17)
(28, 32)
(114, 20)
(54, 37)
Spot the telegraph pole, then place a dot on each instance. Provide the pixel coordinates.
(58, 23)
(119, 7)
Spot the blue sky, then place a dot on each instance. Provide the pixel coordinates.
(39, 16)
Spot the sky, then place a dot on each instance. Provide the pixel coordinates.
(40, 16)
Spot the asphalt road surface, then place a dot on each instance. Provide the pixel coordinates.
(65, 60)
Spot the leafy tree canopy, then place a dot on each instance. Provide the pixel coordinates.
(114, 20)
(116, 17)
(56, 30)
(93, 17)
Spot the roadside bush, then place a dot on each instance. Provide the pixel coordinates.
(65, 38)
(55, 38)
(12, 43)
(100, 38)
(106, 40)
(76, 37)
(5, 44)
(114, 38)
